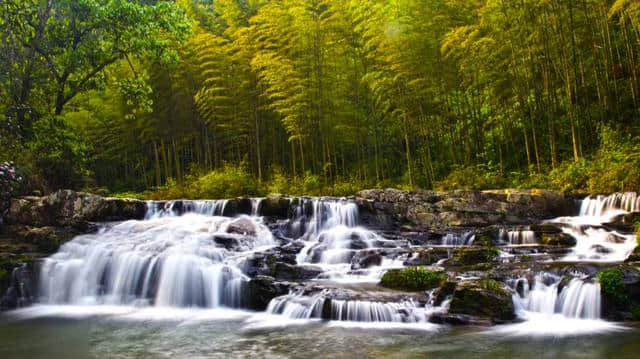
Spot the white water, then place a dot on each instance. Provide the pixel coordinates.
(299, 306)
(518, 237)
(576, 299)
(594, 242)
(165, 261)
(548, 310)
(453, 239)
(333, 240)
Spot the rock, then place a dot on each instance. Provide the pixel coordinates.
(288, 272)
(428, 210)
(484, 299)
(262, 289)
(242, 225)
(427, 257)
(614, 238)
(369, 260)
(474, 255)
(601, 249)
(275, 205)
(558, 240)
(21, 287)
(69, 208)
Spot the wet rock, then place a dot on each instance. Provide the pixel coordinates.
(474, 255)
(288, 272)
(275, 205)
(614, 238)
(427, 257)
(601, 249)
(458, 319)
(558, 240)
(242, 225)
(262, 289)
(369, 260)
(484, 299)
(20, 289)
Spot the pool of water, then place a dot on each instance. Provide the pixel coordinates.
(120, 332)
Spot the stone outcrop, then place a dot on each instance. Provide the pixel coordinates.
(428, 210)
(68, 208)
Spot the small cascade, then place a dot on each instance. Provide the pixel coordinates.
(600, 206)
(187, 261)
(549, 295)
(255, 206)
(177, 208)
(518, 237)
(318, 306)
(594, 240)
(455, 239)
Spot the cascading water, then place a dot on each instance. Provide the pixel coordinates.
(186, 261)
(169, 209)
(518, 237)
(334, 242)
(595, 242)
(550, 296)
(453, 239)
(318, 306)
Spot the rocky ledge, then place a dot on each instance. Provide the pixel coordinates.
(433, 211)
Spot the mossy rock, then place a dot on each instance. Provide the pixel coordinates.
(413, 279)
(558, 240)
(486, 299)
(472, 256)
(483, 240)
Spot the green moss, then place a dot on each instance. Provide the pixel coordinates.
(492, 286)
(483, 240)
(413, 279)
(471, 256)
(612, 287)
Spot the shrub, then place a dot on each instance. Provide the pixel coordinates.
(478, 177)
(413, 279)
(570, 177)
(612, 286)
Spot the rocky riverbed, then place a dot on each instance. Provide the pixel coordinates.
(496, 255)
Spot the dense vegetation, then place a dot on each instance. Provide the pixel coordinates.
(225, 97)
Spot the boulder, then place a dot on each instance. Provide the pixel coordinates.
(288, 272)
(483, 299)
(243, 226)
(558, 240)
(262, 289)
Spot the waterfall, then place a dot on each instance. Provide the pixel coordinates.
(299, 306)
(578, 298)
(594, 240)
(186, 261)
(176, 208)
(599, 206)
(518, 237)
(454, 239)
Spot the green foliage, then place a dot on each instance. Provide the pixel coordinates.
(413, 279)
(58, 157)
(612, 287)
(473, 177)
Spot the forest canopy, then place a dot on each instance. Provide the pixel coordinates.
(209, 98)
